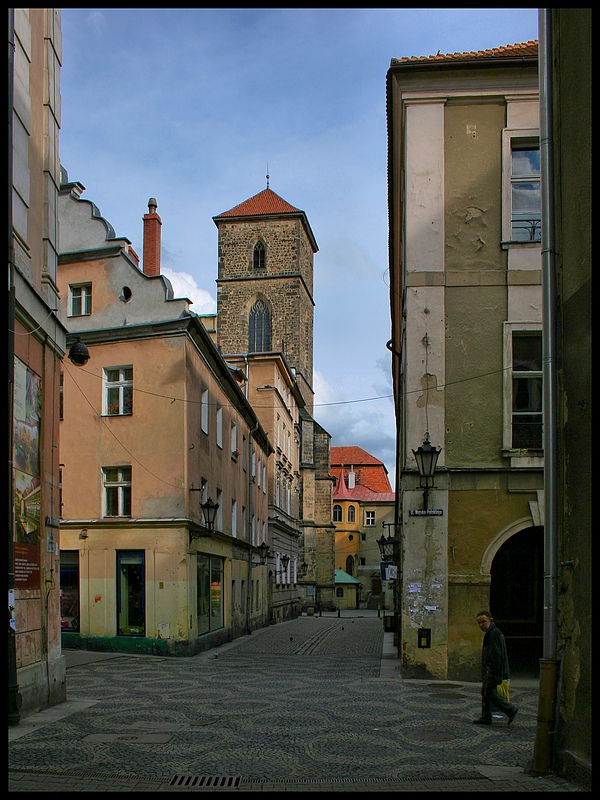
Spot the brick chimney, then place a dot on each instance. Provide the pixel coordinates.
(152, 223)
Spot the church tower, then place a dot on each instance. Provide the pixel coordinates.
(265, 283)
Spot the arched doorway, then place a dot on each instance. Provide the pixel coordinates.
(516, 598)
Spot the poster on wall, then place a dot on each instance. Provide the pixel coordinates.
(27, 487)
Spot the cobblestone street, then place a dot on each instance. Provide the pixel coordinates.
(314, 704)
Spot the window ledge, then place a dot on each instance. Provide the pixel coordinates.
(510, 244)
(524, 458)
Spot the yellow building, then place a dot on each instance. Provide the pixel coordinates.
(153, 427)
(466, 306)
(363, 511)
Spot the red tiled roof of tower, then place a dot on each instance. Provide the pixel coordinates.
(521, 49)
(265, 202)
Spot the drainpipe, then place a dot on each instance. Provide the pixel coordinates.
(544, 740)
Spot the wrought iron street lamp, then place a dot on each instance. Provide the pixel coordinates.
(426, 456)
(284, 561)
(263, 552)
(209, 512)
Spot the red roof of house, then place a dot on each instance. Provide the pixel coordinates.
(370, 473)
(518, 50)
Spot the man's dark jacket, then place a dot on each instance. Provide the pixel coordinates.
(494, 658)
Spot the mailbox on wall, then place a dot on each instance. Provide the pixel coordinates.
(424, 637)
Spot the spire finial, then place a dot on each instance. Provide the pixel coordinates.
(268, 175)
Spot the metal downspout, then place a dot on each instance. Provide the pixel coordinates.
(544, 741)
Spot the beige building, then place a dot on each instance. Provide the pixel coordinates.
(466, 304)
(265, 312)
(153, 427)
(36, 345)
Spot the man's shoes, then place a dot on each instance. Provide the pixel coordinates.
(513, 715)
(483, 721)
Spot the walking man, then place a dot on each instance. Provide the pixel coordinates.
(494, 669)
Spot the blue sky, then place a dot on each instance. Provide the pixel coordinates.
(190, 106)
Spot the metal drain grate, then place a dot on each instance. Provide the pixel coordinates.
(214, 781)
(381, 779)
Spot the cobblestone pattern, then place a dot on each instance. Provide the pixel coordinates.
(298, 702)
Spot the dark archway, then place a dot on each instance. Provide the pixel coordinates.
(516, 599)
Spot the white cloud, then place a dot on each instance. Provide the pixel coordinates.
(184, 285)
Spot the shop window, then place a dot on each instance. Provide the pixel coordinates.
(69, 590)
(209, 593)
(130, 593)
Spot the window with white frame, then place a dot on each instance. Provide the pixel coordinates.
(219, 427)
(117, 491)
(80, 299)
(369, 518)
(523, 387)
(234, 531)
(337, 513)
(118, 391)
(233, 440)
(204, 411)
(522, 205)
(351, 514)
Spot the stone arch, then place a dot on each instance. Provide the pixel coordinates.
(260, 316)
(259, 255)
(485, 568)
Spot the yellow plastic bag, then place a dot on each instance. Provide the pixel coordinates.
(503, 689)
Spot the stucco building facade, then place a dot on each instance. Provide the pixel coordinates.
(152, 427)
(466, 305)
(36, 345)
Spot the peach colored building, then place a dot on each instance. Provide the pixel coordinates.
(153, 426)
(36, 345)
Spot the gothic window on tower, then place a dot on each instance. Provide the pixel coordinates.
(259, 256)
(259, 338)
